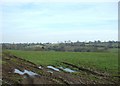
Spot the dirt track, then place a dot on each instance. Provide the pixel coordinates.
(45, 75)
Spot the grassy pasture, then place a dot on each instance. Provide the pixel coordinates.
(102, 61)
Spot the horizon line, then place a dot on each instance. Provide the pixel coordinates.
(60, 41)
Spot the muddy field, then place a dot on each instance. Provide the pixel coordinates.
(19, 71)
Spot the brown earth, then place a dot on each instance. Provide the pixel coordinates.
(47, 76)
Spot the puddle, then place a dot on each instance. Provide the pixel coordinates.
(40, 67)
(67, 69)
(30, 73)
(50, 71)
(51, 67)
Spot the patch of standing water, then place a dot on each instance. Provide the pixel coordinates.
(51, 67)
(67, 69)
(30, 73)
(50, 71)
(40, 67)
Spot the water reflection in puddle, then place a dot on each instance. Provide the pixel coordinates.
(40, 67)
(67, 69)
(30, 73)
(50, 71)
(51, 67)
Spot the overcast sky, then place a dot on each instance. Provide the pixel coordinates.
(31, 21)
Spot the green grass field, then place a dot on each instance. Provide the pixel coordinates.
(102, 61)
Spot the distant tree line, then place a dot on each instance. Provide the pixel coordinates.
(96, 46)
